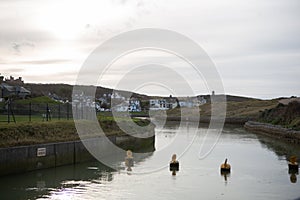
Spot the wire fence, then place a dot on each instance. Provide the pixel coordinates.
(22, 112)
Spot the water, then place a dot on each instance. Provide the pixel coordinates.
(259, 171)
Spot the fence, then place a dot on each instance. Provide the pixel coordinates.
(15, 112)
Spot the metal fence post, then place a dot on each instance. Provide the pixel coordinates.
(68, 111)
(8, 112)
(58, 111)
(47, 112)
(30, 112)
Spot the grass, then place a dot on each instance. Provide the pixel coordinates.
(249, 109)
(25, 133)
(26, 118)
(36, 100)
(38, 132)
(295, 123)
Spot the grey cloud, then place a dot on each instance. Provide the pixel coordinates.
(18, 46)
(12, 70)
(42, 62)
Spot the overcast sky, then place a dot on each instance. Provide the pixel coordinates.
(254, 44)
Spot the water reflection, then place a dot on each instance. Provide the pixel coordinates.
(293, 178)
(36, 184)
(198, 179)
(293, 169)
(129, 160)
(225, 174)
(54, 182)
(284, 151)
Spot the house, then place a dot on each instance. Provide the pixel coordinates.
(134, 105)
(190, 102)
(163, 104)
(13, 91)
(158, 104)
(12, 81)
(121, 107)
(116, 95)
(172, 102)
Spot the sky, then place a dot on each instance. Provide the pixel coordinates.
(254, 44)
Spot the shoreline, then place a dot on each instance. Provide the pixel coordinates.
(228, 120)
(274, 131)
(32, 146)
(22, 159)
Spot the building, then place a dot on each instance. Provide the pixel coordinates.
(190, 102)
(7, 91)
(134, 105)
(116, 95)
(158, 104)
(12, 81)
(121, 107)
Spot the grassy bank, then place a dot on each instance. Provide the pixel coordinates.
(246, 109)
(25, 133)
(287, 116)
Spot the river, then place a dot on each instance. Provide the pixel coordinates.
(259, 170)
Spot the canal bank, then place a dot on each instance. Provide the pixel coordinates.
(32, 146)
(34, 157)
(274, 131)
(228, 120)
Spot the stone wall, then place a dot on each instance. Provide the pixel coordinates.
(274, 131)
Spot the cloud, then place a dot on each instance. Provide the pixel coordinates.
(12, 70)
(42, 62)
(18, 46)
(252, 44)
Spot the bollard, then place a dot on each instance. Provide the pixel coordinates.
(293, 165)
(225, 167)
(174, 165)
(129, 160)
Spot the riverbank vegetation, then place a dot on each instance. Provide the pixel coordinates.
(287, 116)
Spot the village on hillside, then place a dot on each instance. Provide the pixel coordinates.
(12, 89)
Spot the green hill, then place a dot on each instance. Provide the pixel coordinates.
(285, 115)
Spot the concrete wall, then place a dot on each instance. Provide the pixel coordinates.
(26, 158)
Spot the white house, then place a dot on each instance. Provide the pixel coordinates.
(134, 105)
(190, 102)
(116, 95)
(158, 104)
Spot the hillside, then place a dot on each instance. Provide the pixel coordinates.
(64, 91)
(285, 115)
(237, 107)
(250, 108)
